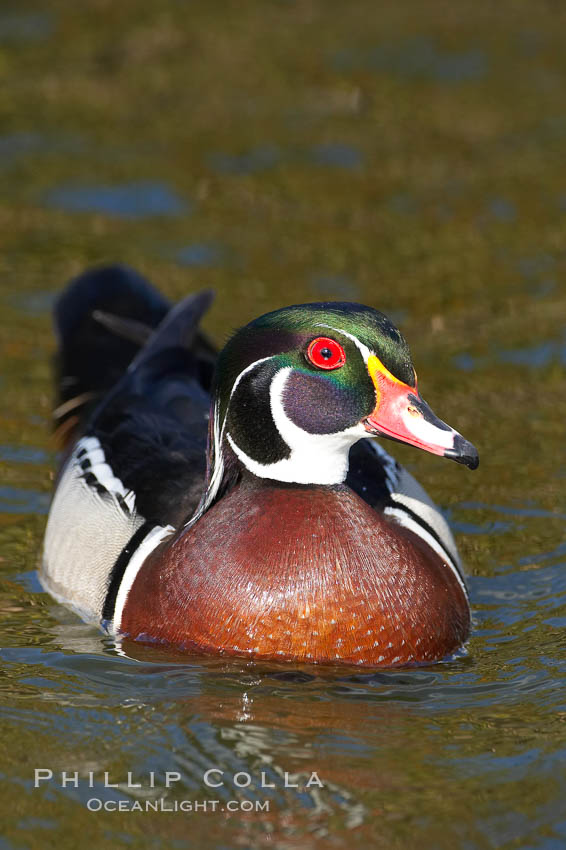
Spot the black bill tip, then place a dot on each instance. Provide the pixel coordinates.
(463, 452)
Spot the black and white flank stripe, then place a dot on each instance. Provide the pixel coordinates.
(95, 541)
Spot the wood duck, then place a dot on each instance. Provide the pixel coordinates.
(241, 504)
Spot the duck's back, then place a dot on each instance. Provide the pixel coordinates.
(134, 420)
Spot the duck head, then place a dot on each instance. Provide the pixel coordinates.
(297, 387)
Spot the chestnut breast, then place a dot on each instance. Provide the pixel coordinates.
(299, 573)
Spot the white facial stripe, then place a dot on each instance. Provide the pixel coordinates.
(315, 458)
(218, 436)
(219, 431)
(365, 352)
(218, 470)
(245, 372)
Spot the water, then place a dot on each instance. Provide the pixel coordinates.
(411, 158)
(135, 200)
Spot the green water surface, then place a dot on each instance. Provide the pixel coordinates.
(410, 155)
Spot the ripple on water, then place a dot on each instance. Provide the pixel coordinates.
(417, 58)
(23, 454)
(266, 157)
(528, 510)
(201, 254)
(502, 209)
(15, 145)
(336, 155)
(19, 145)
(538, 356)
(135, 200)
(335, 286)
(21, 27)
(16, 500)
(257, 159)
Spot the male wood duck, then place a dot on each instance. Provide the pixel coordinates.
(246, 507)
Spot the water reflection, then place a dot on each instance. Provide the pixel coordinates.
(23, 454)
(254, 160)
(337, 155)
(16, 500)
(417, 57)
(335, 287)
(538, 356)
(22, 26)
(502, 209)
(266, 157)
(141, 199)
(201, 254)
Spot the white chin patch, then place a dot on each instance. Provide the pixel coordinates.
(315, 458)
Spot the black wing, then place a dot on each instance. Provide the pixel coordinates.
(136, 375)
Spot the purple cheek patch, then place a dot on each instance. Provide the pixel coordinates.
(318, 405)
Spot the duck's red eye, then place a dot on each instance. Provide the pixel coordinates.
(325, 353)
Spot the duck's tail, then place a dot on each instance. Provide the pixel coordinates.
(103, 319)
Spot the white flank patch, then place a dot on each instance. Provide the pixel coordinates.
(410, 494)
(156, 536)
(315, 458)
(408, 522)
(406, 492)
(86, 531)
